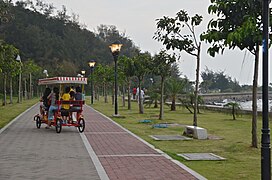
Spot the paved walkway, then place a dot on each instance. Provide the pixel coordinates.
(104, 151)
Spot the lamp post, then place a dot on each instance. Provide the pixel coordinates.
(18, 58)
(92, 64)
(45, 72)
(83, 72)
(115, 50)
(265, 142)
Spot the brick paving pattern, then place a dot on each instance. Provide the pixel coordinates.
(124, 156)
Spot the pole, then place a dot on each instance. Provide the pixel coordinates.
(265, 142)
(91, 85)
(115, 85)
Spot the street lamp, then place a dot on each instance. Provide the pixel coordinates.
(18, 58)
(92, 64)
(45, 72)
(115, 50)
(83, 72)
(265, 147)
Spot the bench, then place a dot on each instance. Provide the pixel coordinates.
(76, 105)
(196, 132)
(71, 102)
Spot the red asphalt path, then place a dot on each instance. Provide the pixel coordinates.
(123, 155)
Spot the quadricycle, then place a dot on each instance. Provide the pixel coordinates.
(68, 112)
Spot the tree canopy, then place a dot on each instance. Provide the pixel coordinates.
(57, 42)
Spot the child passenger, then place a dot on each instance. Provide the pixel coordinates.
(65, 97)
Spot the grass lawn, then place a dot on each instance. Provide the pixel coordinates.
(10, 111)
(242, 161)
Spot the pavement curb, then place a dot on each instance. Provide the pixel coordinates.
(100, 170)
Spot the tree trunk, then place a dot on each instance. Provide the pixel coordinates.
(233, 112)
(129, 96)
(30, 86)
(11, 92)
(162, 100)
(156, 103)
(97, 94)
(105, 94)
(141, 107)
(5, 90)
(123, 98)
(196, 84)
(112, 95)
(173, 105)
(254, 142)
(25, 90)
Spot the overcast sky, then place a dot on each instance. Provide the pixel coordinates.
(138, 20)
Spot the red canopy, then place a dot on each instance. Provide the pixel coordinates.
(63, 80)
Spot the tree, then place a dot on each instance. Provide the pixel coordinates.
(105, 76)
(161, 66)
(8, 65)
(141, 62)
(170, 33)
(188, 101)
(5, 14)
(154, 94)
(174, 86)
(239, 25)
(234, 106)
(126, 66)
(30, 68)
(218, 81)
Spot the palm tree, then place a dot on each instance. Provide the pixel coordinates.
(154, 94)
(234, 106)
(174, 86)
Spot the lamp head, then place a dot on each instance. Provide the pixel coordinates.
(45, 72)
(18, 58)
(83, 72)
(115, 47)
(92, 63)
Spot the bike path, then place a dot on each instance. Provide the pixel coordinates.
(28, 153)
(104, 151)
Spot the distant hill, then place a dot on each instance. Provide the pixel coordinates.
(58, 43)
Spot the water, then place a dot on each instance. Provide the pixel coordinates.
(248, 105)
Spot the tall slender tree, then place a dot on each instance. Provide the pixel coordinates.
(238, 24)
(126, 66)
(141, 62)
(161, 66)
(170, 31)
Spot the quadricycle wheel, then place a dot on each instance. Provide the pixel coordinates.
(38, 121)
(81, 125)
(58, 125)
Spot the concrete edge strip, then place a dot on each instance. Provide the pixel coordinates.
(155, 138)
(15, 119)
(100, 170)
(131, 155)
(197, 175)
(106, 132)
